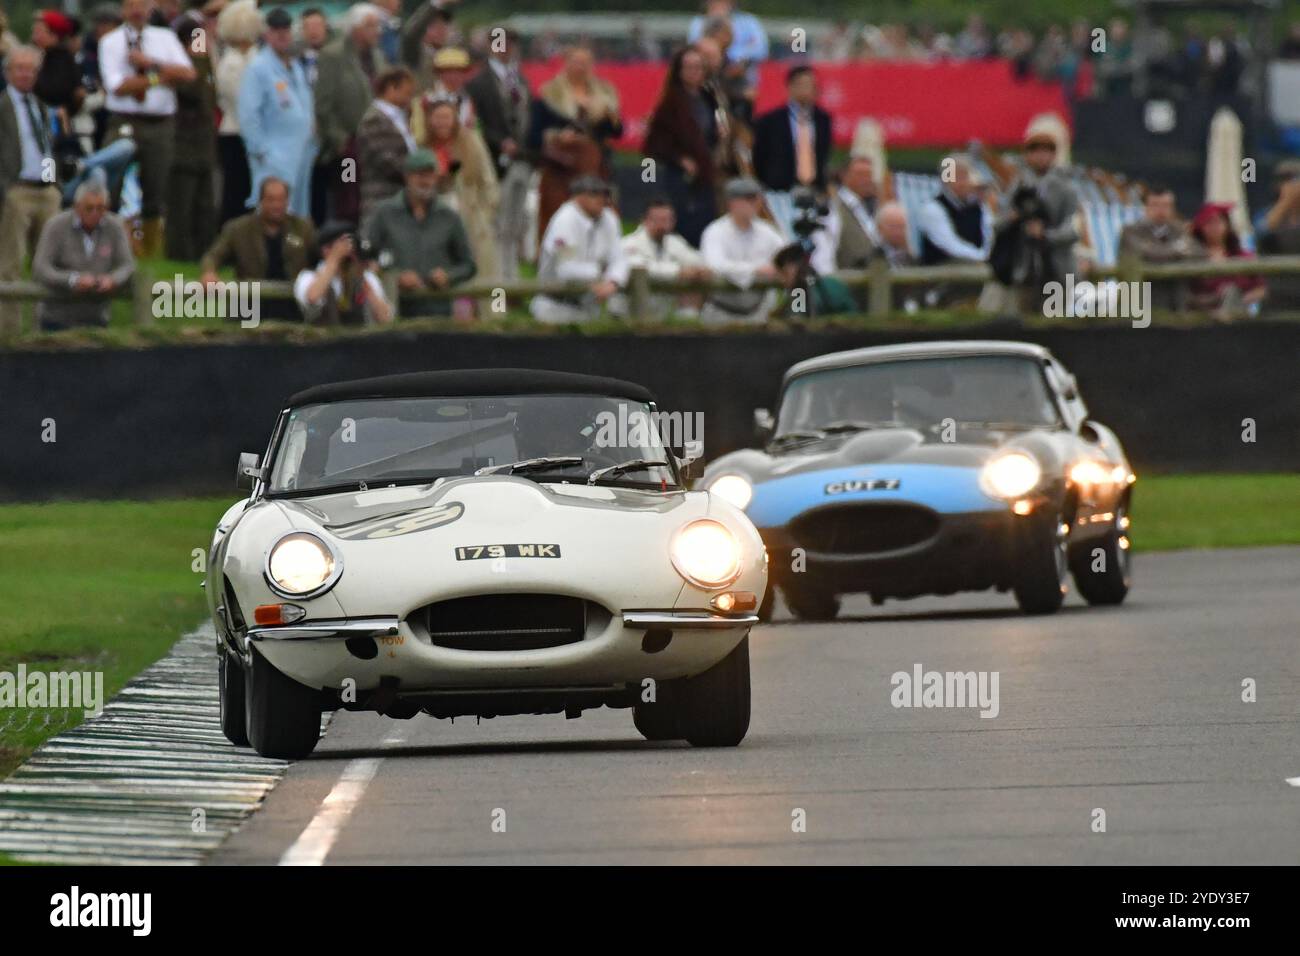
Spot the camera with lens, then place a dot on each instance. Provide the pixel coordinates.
(809, 211)
(1028, 205)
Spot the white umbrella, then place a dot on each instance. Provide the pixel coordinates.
(1223, 173)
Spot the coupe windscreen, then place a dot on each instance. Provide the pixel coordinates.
(393, 440)
(921, 393)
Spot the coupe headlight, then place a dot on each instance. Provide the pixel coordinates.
(1011, 475)
(301, 565)
(706, 554)
(734, 490)
(1096, 473)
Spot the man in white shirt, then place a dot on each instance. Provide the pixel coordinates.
(741, 247)
(141, 65)
(663, 254)
(583, 242)
(956, 225)
(341, 290)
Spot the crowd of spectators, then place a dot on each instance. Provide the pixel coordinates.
(326, 155)
(1088, 59)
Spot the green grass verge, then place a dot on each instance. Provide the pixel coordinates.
(94, 586)
(1215, 511)
(109, 586)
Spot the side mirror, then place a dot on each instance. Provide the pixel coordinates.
(764, 425)
(248, 470)
(690, 468)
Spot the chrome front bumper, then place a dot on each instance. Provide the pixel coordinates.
(687, 620)
(326, 630)
(388, 626)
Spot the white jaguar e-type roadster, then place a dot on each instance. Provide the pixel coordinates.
(481, 542)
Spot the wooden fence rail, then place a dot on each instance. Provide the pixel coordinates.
(879, 280)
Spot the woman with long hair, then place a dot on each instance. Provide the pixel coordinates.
(578, 117)
(1224, 297)
(468, 183)
(681, 138)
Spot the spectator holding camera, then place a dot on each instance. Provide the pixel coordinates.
(1036, 235)
(342, 289)
(419, 237)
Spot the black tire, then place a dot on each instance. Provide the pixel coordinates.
(659, 720)
(283, 716)
(765, 608)
(230, 689)
(1110, 585)
(715, 705)
(811, 604)
(1040, 584)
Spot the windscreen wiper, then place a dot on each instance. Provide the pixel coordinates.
(787, 438)
(636, 464)
(530, 464)
(838, 428)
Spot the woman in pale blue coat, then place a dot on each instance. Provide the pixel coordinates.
(277, 117)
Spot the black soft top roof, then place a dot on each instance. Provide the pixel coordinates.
(471, 381)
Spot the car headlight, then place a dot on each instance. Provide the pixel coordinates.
(1011, 475)
(734, 490)
(706, 554)
(1089, 472)
(301, 565)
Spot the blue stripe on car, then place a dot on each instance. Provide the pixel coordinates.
(948, 489)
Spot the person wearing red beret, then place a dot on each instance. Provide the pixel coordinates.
(1225, 297)
(59, 83)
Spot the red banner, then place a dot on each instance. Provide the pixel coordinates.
(918, 104)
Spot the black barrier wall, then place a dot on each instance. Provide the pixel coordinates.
(171, 421)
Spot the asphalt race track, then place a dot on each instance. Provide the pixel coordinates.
(1136, 711)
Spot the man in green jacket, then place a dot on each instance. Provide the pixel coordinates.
(268, 243)
(420, 239)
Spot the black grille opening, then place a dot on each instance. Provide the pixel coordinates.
(864, 529)
(506, 622)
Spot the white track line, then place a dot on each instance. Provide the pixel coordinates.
(315, 842)
(1294, 781)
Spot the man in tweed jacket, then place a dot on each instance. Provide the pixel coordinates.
(384, 139)
(84, 250)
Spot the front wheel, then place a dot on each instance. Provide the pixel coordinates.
(811, 604)
(1103, 570)
(714, 708)
(1041, 578)
(231, 690)
(283, 716)
(659, 719)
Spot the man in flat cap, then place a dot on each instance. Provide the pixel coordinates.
(421, 239)
(342, 289)
(741, 247)
(1037, 225)
(583, 243)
